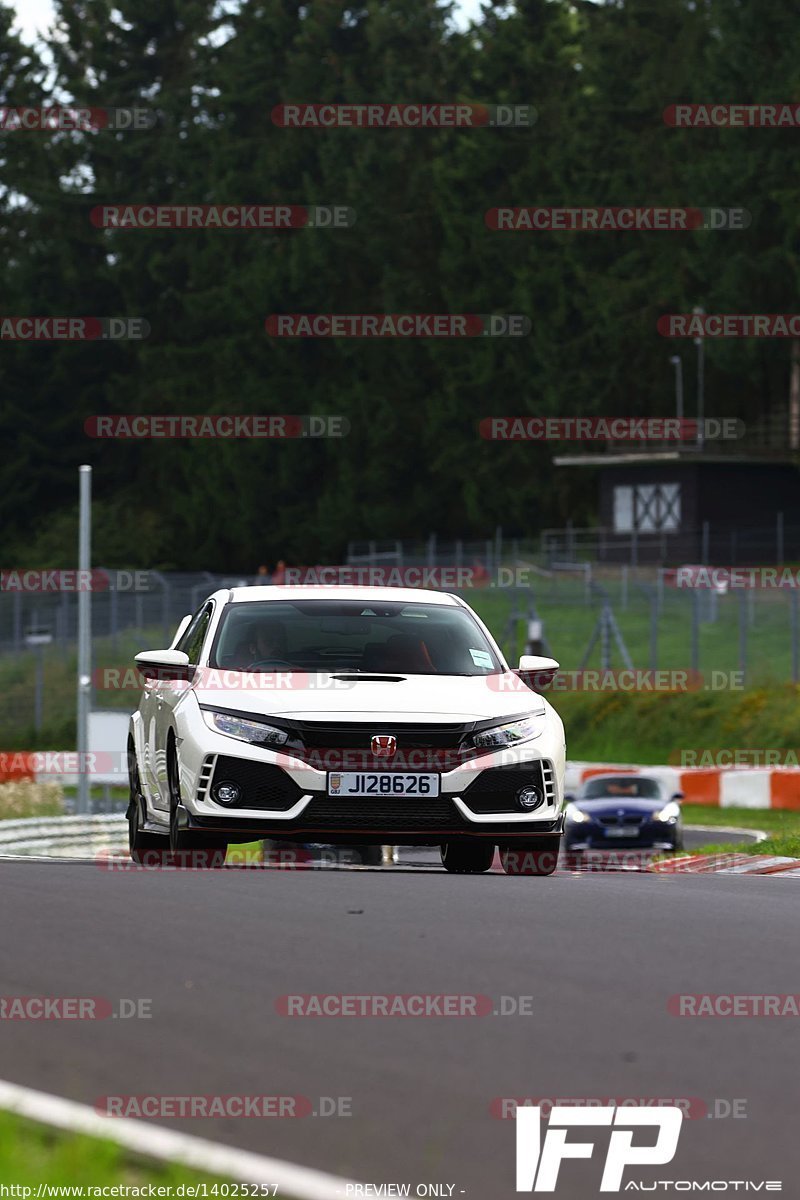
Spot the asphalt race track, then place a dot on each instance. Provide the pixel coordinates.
(599, 954)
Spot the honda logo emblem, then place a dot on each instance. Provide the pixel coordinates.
(384, 745)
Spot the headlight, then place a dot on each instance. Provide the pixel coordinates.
(510, 735)
(246, 731)
(670, 812)
(574, 814)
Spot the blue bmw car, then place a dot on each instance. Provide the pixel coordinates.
(623, 812)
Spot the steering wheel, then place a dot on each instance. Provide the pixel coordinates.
(263, 663)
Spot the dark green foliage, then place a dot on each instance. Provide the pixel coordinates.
(600, 76)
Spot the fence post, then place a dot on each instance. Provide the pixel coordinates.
(779, 538)
(704, 547)
(114, 613)
(793, 613)
(654, 615)
(624, 595)
(605, 648)
(743, 633)
(17, 617)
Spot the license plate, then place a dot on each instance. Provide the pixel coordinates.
(382, 783)
(626, 831)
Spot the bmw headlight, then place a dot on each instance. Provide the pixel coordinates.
(576, 815)
(511, 734)
(669, 813)
(246, 731)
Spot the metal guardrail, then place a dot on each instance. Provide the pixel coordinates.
(49, 835)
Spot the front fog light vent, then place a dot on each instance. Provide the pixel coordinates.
(529, 798)
(226, 792)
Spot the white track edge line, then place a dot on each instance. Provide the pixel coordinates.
(759, 835)
(167, 1145)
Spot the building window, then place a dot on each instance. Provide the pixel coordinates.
(647, 508)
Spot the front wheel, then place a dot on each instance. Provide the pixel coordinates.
(531, 858)
(464, 858)
(146, 849)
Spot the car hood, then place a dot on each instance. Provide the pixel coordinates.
(611, 806)
(414, 697)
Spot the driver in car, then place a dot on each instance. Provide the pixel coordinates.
(267, 646)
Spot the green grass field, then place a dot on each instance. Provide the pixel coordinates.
(33, 1154)
(782, 827)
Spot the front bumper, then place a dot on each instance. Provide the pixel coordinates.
(285, 797)
(485, 809)
(651, 835)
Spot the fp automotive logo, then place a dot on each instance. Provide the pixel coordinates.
(538, 1164)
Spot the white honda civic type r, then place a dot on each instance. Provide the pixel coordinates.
(344, 715)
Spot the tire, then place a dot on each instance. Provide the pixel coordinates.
(466, 858)
(187, 848)
(531, 858)
(146, 849)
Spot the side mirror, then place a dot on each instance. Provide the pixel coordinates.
(159, 665)
(181, 630)
(537, 671)
(678, 796)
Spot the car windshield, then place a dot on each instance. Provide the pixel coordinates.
(354, 636)
(626, 788)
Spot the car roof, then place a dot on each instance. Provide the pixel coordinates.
(246, 595)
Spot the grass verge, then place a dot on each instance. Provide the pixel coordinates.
(36, 1154)
(783, 828)
(27, 799)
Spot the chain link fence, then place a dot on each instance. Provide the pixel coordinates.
(582, 614)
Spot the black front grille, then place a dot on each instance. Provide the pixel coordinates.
(357, 735)
(495, 790)
(627, 819)
(262, 784)
(383, 812)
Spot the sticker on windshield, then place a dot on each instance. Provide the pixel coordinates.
(481, 658)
